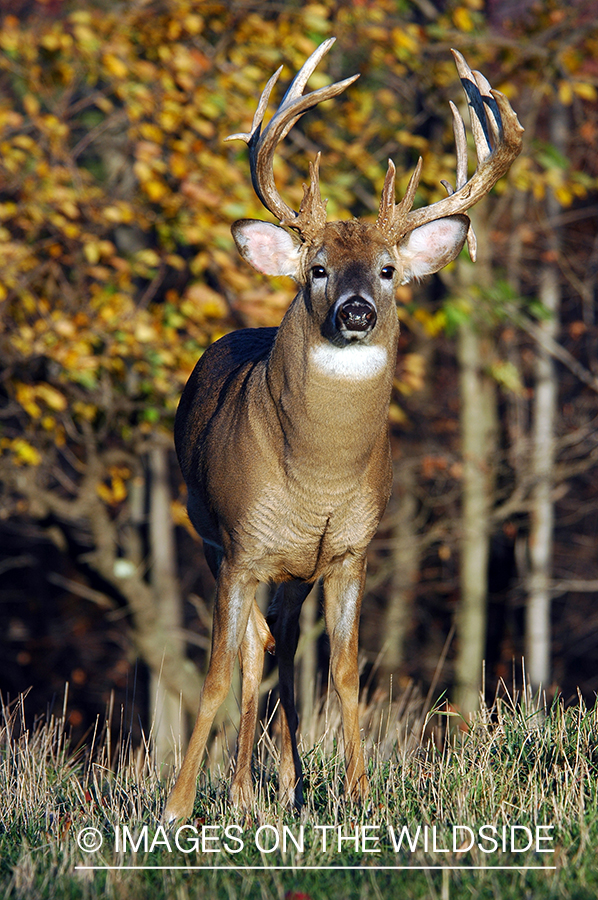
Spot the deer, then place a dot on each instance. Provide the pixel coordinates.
(282, 434)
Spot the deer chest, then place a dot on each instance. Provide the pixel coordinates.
(284, 536)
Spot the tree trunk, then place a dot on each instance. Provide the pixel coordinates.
(166, 708)
(478, 421)
(405, 557)
(478, 439)
(537, 621)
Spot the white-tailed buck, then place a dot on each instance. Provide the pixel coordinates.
(282, 433)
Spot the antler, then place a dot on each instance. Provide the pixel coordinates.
(311, 218)
(497, 137)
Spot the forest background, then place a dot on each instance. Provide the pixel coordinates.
(117, 268)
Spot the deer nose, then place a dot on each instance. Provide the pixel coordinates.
(356, 314)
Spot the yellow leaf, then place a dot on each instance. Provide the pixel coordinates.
(86, 411)
(119, 489)
(112, 214)
(403, 40)
(414, 371)
(176, 261)
(155, 189)
(92, 252)
(565, 93)
(203, 302)
(148, 257)
(462, 19)
(114, 65)
(151, 132)
(55, 126)
(170, 119)
(65, 328)
(51, 397)
(396, 415)
(585, 90)
(193, 23)
(142, 170)
(51, 41)
(179, 165)
(145, 333)
(120, 213)
(564, 196)
(25, 394)
(433, 323)
(81, 15)
(104, 492)
(85, 36)
(31, 105)
(26, 454)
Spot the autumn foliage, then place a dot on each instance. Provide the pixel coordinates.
(117, 192)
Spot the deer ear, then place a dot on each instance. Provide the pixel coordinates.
(268, 248)
(430, 247)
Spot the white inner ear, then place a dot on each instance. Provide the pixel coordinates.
(433, 246)
(268, 248)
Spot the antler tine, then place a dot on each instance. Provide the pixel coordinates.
(461, 172)
(498, 140)
(260, 111)
(493, 119)
(392, 217)
(297, 85)
(475, 101)
(262, 145)
(460, 146)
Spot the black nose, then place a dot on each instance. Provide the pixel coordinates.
(356, 314)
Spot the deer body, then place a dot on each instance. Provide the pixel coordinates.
(298, 474)
(282, 437)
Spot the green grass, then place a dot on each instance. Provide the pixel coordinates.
(516, 765)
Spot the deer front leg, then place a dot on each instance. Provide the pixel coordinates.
(257, 639)
(283, 618)
(235, 595)
(343, 590)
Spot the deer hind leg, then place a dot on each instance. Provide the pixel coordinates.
(283, 618)
(257, 639)
(343, 590)
(235, 595)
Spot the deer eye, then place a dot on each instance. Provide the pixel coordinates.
(318, 272)
(387, 273)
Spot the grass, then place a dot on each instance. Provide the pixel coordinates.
(517, 764)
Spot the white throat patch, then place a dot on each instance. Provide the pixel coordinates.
(355, 361)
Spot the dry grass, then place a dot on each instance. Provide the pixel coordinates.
(516, 764)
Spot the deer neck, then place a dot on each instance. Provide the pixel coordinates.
(331, 401)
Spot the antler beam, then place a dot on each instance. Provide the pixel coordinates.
(311, 218)
(497, 137)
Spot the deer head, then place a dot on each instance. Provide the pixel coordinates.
(418, 242)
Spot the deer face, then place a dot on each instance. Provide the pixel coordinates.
(350, 274)
(349, 283)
